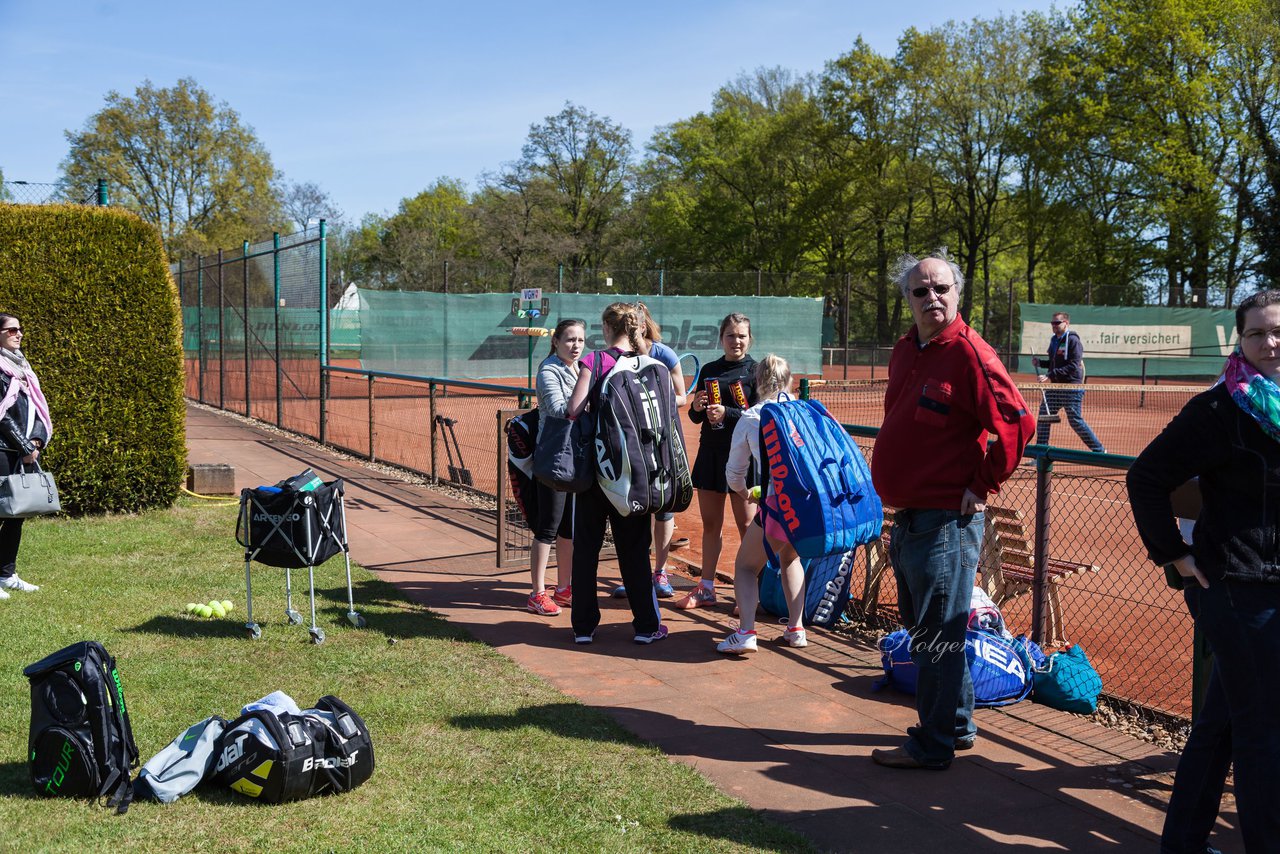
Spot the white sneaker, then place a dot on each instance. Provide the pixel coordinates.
(795, 637)
(13, 582)
(4, 594)
(738, 643)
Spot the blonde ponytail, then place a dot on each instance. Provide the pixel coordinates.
(772, 375)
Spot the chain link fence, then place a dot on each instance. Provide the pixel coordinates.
(59, 193)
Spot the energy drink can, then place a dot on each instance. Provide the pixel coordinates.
(713, 399)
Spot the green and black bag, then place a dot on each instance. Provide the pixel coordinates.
(81, 743)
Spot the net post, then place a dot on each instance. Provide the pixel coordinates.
(804, 388)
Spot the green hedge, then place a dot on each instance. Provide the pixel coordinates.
(103, 329)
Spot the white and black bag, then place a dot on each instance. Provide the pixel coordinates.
(641, 463)
(275, 756)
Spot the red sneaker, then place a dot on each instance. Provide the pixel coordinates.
(540, 603)
(563, 597)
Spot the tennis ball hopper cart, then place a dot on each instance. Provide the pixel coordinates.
(300, 521)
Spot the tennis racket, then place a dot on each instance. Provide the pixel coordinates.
(690, 366)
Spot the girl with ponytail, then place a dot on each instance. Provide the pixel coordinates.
(632, 535)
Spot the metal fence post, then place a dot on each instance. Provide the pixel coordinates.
(845, 333)
(1039, 589)
(431, 410)
(502, 491)
(248, 362)
(200, 324)
(275, 307)
(102, 193)
(370, 417)
(222, 339)
(324, 330)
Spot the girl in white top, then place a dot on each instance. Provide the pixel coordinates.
(773, 382)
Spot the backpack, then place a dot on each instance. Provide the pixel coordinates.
(641, 464)
(825, 500)
(522, 438)
(81, 742)
(182, 765)
(275, 756)
(826, 588)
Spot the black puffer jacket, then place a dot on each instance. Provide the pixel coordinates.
(1238, 533)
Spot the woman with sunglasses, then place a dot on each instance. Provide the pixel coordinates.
(24, 431)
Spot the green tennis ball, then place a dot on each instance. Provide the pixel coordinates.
(226, 603)
(754, 492)
(191, 607)
(217, 608)
(204, 610)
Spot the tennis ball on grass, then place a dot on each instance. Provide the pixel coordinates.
(204, 610)
(226, 604)
(191, 607)
(217, 608)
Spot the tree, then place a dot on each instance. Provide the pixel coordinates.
(409, 249)
(181, 161)
(305, 203)
(586, 160)
(4, 191)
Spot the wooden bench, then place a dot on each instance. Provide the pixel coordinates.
(1006, 567)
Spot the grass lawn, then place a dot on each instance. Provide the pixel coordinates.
(472, 753)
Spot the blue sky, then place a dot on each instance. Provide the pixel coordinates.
(374, 100)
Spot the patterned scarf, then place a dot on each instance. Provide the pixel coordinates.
(1257, 395)
(22, 380)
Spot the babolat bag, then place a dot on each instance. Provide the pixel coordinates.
(821, 481)
(81, 742)
(641, 463)
(276, 755)
(826, 587)
(522, 438)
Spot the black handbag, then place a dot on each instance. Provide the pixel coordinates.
(563, 457)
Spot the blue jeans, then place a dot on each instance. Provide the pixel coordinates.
(1072, 400)
(1241, 621)
(935, 558)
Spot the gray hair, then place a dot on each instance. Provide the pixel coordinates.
(908, 263)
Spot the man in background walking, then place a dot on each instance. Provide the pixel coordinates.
(1064, 365)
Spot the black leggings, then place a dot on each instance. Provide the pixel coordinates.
(10, 539)
(555, 515)
(632, 536)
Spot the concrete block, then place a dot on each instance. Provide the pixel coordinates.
(212, 479)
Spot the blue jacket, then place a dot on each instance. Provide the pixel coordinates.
(1068, 367)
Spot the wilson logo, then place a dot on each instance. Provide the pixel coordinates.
(831, 593)
(778, 474)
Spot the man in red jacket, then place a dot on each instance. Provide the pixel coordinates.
(947, 393)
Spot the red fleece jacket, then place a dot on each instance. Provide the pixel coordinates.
(941, 403)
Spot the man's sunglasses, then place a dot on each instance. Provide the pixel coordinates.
(921, 293)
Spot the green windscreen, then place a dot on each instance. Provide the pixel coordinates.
(468, 335)
(1123, 341)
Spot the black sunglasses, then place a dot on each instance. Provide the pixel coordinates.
(921, 293)
(11, 329)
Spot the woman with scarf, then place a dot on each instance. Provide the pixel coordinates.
(1228, 437)
(24, 431)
